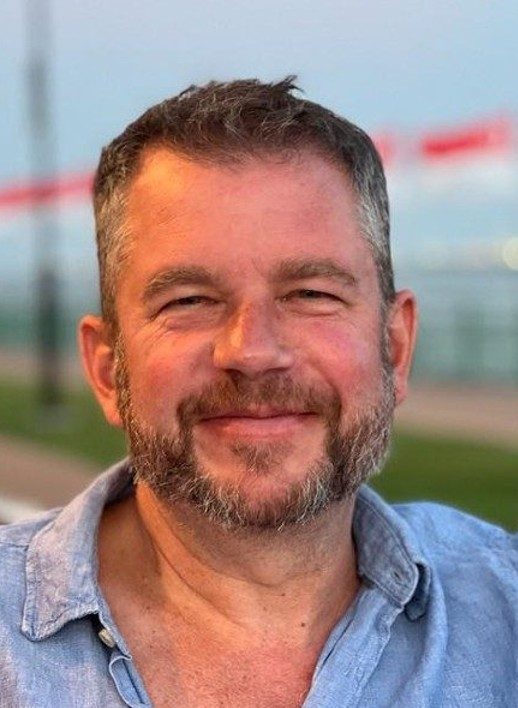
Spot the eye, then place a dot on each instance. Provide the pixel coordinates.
(189, 301)
(308, 294)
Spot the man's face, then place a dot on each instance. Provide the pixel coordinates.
(252, 378)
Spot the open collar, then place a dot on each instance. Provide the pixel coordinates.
(61, 564)
(388, 554)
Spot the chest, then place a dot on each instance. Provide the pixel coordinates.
(185, 668)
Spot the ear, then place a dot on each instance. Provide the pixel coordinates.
(402, 331)
(98, 359)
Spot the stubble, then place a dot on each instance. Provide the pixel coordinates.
(170, 467)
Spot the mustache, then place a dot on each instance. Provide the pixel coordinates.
(273, 392)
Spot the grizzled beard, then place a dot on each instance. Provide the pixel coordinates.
(169, 467)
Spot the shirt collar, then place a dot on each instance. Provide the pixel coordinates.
(61, 565)
(388, 554)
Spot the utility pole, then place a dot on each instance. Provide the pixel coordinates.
(45, 223)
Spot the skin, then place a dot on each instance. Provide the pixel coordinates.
(280, 593)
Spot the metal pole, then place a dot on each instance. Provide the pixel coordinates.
(44, 215)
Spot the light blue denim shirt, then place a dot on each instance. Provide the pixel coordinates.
(434, 624)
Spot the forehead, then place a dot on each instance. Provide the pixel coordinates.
(261, 207)
(168, 180)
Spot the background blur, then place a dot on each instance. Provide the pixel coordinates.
(434, 84)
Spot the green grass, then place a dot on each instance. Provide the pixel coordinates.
(77, 427)
(480, 479)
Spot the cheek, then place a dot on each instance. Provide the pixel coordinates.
(161, 376)
(349, 361)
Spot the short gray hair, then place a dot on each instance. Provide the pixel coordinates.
(228, 123)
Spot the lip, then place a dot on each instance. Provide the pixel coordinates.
(256, 424)
(256, 413)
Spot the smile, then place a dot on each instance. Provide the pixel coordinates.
(258, 424)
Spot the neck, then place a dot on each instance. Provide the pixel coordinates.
(293, 584)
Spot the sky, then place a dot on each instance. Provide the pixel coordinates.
(399, 64)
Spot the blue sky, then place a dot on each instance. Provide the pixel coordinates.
(400, 64)
(382, 64)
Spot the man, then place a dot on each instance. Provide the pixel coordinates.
(253, 348)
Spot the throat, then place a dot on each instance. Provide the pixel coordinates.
(207, 617)
(295, 586)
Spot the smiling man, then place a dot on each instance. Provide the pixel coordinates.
(253, 348)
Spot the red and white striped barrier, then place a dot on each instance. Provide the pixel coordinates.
(492, 138)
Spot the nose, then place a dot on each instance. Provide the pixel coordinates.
(249, 343)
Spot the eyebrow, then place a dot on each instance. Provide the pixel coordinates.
(303, 268)
(179, 275)
(288, 270)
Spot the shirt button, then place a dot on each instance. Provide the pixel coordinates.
(106, 637)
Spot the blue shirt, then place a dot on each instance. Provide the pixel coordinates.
(434, 624)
